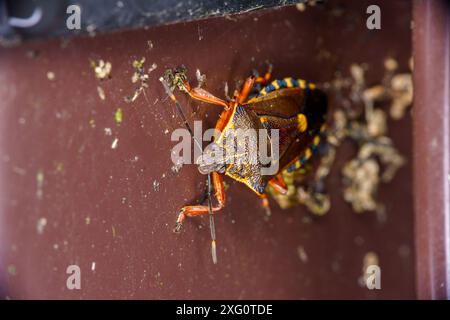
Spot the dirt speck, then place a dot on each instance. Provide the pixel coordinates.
(115, 143)
(39, 184)
(140, 76)
(40, 225)
(156, 185)
(302, 254)
(118, 116)
(177, 166)
(51, 75)
(101, 93)
(102, 69)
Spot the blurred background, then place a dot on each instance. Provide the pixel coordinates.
(86, 176)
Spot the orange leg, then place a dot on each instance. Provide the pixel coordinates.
(250, 82)
(245, 91)
(278, 184)
(192, 211)
(205, 96)
(223, 119)
(265, 204)
(267, 76)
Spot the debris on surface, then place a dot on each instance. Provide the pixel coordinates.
(363, 181)
(59, 167)
(102, 69)
(118, 116)
(51, 76)
(199, 31)
(377, 159)
(363, 174)
(115, 143)
(176, 78)
(316, 202)
(138, 65)
(108, 131)
(101, 93)
(398, 88)
(402, 94)
(290, 199)
(177, 165)
(39, 184)
(302, 254)
(156, 185)
(40, 225)
(201, 78)
(140, 75)
(226, 91)
(152, 67)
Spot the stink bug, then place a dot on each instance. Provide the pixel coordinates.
(294, 107)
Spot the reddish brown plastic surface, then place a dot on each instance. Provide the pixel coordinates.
(112, 210)
(432, 147)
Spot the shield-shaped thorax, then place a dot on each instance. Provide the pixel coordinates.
(262, 136)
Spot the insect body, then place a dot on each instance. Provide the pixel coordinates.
(294, 107)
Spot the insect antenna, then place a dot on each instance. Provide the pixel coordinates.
(188, 127)
(211, 222)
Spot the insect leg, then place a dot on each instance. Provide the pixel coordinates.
(246, 88)
(211, 223)
(278, 184)
(203, 95)
(223, 119)
(250, 82)
(266, 78)
(265, 204)
(196, 210)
